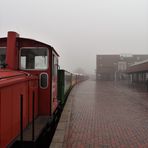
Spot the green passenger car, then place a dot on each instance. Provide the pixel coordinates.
(64, 85)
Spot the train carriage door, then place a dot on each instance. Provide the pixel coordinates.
(54, 102)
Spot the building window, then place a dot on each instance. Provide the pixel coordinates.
(121, 58)
(122, 66)
(138, 58)
(146, 76)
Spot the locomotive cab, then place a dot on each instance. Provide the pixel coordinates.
(41, 61)
(37, 65)
(38, 59)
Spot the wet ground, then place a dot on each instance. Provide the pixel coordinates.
(107, 114)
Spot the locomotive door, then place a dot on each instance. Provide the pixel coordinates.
(35, 60)
(54, 100)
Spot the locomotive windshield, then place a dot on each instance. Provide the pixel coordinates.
(2, 55)
(34, 58)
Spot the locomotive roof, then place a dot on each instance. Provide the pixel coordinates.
(32, 40)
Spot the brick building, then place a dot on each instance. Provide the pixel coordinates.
(113, 67)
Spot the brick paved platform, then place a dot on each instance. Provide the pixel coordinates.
(104, 115)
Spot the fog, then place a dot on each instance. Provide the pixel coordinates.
(80, 29)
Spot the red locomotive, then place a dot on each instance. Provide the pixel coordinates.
(31, 72)
(28, 88)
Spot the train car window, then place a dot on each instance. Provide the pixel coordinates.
(2, 55)
(34, 58)
(54, 65)
(67, 81)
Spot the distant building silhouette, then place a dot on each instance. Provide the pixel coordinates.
(113, 67)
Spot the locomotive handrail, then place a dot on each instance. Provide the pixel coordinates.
(21, 73)
(11, 76)
(33, 95)
(21, 118)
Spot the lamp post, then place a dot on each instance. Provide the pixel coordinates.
(115, 72)
(100, 72)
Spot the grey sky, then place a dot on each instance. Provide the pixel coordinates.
(80, 29)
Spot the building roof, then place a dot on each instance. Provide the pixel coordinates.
(141, 62)
(141, 66)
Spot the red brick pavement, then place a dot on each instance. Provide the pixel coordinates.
(106, 115)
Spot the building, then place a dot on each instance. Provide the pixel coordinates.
(113, 67)
(138, 75)
(138, 72)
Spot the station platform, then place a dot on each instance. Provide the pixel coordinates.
(103, 114)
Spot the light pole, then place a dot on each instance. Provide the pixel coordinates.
(115, 72)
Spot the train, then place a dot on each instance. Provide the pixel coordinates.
(33, 90)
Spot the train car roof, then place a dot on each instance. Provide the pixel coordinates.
(65, 70)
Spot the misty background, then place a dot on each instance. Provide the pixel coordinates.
(80, 29)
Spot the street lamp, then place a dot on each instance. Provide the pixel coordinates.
(115, 72)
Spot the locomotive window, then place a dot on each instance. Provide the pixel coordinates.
(34, 58)
(2, 55)
(54, 65)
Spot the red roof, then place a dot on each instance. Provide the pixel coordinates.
(138, 67)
